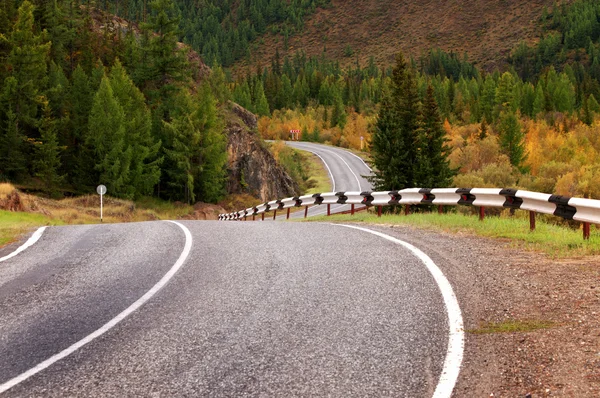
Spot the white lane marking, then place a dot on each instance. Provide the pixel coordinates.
(322, 160)
(456, 342)
(110, 324)
(32, 239)
(343, 160)
(361, 159)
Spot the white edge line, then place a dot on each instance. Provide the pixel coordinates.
(110, 324)
(32, 239)
(349, 168)
(342, 159)
(322, 160)
(456, 342)
(362, 160)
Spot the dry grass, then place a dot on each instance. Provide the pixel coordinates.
(33, 211)
(5, 189)
(486, 30)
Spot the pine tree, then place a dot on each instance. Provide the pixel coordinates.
(241, 95)
(338, 114)
(434, 166)
(107, 138)
(394, 145)
(539, 101)
(79, 157)
(144, 170)
(587, 115)
(27, 61)
(13, 164)
(261, 106)
(512, 138)
(47, 163)
(483, 129)
(213, 148)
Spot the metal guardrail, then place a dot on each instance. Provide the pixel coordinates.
(583, 210)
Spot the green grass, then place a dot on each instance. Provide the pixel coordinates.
(555, 240)
(14, 224)
(318, 174)
(511, 326)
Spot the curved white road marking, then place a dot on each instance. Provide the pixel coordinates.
(324, 162)
(456, 342)
(341, 158)
(361, 159)
(32, 239)
(110, 324)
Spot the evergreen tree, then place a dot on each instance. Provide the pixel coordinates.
(261, 106)
(13, 164)
(587, 115)
(27, 62)
(483, 129)
(539, 101)
(47, 163)
(144, 170)
(338, 114)
(213, 148)
(241, 95)
(79, 156)
(434, 166)
(512, 138)
(394, 143)
(107, 137)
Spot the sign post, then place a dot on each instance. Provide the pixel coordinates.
(101, 191)
(297, 133)
(362, 140)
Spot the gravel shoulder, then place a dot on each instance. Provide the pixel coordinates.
(496, 283)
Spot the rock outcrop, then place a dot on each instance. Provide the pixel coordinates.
(252, 168)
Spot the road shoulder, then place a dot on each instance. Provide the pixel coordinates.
(552, 303)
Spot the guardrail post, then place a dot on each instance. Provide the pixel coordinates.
(586, 231)
(352, 209)
(253, 217)
(532, 220)
(263, 216)
(274, 215)
(441, 209)
(406, 210)
(481, 213)
(305, 211)
(328, 209)
(288, 214)
(379, 208)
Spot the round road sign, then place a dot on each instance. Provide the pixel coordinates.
(101, 189)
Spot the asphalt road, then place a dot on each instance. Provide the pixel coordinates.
(257, 309)
(346, 170)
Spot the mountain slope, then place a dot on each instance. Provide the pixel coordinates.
(486, 30)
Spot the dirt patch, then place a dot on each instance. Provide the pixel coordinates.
(554, 305)
(12, 202)
(205, 211)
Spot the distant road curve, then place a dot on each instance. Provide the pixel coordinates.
(346, 171)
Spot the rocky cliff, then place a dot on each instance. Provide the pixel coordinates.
(252, 168)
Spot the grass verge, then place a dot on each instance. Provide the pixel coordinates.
(14, 224)
(321, 182)
(511, 326)
(20, 212)
(555, 240)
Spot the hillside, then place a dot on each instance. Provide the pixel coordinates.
(486, 30)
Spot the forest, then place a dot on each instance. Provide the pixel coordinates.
(87, 97)
(83, 102)
(532, 126)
